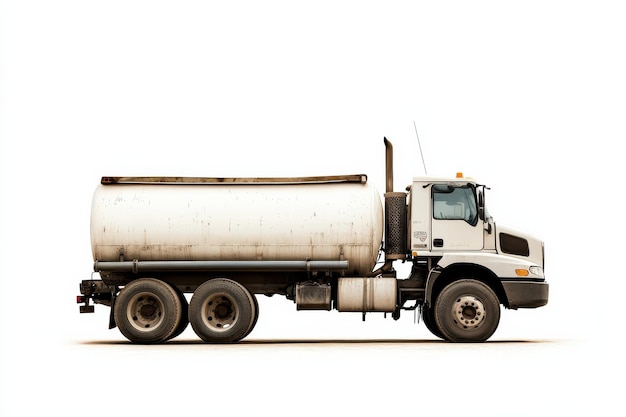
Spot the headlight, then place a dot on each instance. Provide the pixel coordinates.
(536, 270)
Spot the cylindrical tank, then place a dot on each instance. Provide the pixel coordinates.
(233, 221)
(367, 294)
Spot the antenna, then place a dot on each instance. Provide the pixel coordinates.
(420, 146)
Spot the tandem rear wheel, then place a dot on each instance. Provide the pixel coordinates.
(150, 311)
(222, 311)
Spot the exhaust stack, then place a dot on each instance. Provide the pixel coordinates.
(388, 166)
(395, 213)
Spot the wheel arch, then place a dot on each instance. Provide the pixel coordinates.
(439, 278)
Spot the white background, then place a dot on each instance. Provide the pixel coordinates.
(527, 97)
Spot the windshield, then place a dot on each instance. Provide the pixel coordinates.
(455, 203)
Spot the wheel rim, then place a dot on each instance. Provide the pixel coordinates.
(145, 311)
(220, 312)
(468, 312)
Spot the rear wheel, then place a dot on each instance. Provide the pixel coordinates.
(184, 317)
(222, 311)
(256, 312)
(148, 311)
(467, 311)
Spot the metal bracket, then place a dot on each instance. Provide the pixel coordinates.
(87, 308)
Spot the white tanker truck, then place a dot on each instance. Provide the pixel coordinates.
(314, 240)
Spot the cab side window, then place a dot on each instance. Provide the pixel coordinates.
(454, 203)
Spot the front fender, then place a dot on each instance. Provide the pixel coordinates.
(501, 266)
(493, 268)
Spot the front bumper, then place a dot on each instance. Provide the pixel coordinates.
(526, 294)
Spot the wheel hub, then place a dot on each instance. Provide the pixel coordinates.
(468, 312)
(145, 311)
(220, 312)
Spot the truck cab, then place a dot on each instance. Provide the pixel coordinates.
(451, 231)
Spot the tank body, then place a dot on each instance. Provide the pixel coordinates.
(232, 222)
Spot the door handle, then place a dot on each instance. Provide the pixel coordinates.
(438, 243)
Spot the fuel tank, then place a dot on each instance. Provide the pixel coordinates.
(204, 219)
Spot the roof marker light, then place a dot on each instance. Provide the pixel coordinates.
(459, 175)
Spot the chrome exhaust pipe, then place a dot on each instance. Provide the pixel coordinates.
(388, 165)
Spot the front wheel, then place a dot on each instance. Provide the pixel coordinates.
(467, 311)
(429, 320)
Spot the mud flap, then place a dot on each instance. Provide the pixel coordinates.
(112, 324)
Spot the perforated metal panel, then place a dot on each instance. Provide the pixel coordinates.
(395, 225)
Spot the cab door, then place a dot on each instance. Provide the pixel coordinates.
(455, 222)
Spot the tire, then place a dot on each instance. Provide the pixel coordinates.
(222, 311)
(256, 312)
(429, 320)
(184, 317)
(148, 311)
(467, 311)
